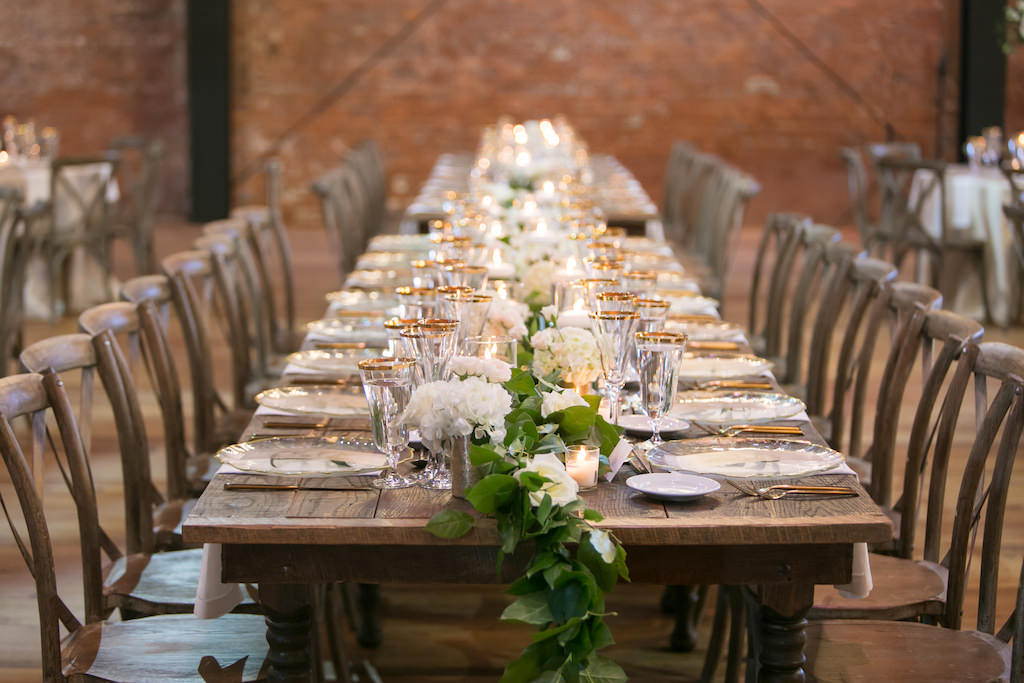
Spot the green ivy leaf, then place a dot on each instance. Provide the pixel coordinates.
(529, 609)
(521, 382)
(555, 630)
(594, 401)
(526, 668)
(600, 634)
(608, 435)
(602, 670)
(450, 524)
(574, 422)
(550, 677)
(544, 509)
(592, 515)
(492, 492)
(620, 563)
(568, 600)
(481, 455)
(541, 562)
(606, 575)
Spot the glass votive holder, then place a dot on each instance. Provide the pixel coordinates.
(581, 463)
(488, 346)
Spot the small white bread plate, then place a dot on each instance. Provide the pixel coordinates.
(641, 424)
(673, 486)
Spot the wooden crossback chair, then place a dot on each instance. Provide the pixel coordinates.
(190, 275)
(860, 185)
(905, 588)
(165, 647)
(1015, 215)
(340, 217)
(79, 218)
(368, 162)
(16, 222)
(993, 651)
(674, 184)
(139, 175)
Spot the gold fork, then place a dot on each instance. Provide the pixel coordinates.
(782, 490)
(736, 430)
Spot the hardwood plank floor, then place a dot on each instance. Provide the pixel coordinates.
(429, 634)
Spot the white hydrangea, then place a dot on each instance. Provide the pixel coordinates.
(491, 369)
(571, 351)
(458, 407)
(506, 317)
(562, 488)
(559, 399)
(537, 281)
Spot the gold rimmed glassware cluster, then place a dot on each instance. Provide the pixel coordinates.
(658, 355)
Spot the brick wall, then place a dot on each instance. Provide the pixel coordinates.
(97, 69)
(632, 76)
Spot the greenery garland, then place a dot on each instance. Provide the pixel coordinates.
(574, 563)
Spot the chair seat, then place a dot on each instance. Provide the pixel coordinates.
(168, 648)
(167, 519)
(162, 583)
(903, 589)
(872, 651)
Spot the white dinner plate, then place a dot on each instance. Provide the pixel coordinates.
(641, 424)
(692, 305)
(739, 458)
(672, 486)
(304, 455)
(362, 300)
(314, 400)
(348, 329)
(333, 361)
(711, 330)
(708, 366)
(737, 407)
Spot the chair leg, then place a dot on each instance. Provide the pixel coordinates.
(714, 652)
(737, 628)
(334, 614)
(368, 634)
(684, 601)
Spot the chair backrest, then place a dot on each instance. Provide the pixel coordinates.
(778, 244)
(139, 172)
(675, 176)
(189, 273)
(985, 482)
(102, 355)
(892, 309)
(866, 280)
(78, 195)
(737, 189)
(33, 396)
(857, 185)
(13, 259)
(908, 187)
(814, 241)
(336, 213)
(368, 163)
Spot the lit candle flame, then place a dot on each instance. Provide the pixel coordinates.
(519, 133)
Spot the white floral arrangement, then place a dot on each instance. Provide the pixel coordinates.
(458, 407)
(506, 317)
(559, 399)
(562, 488)
(536, 281)
(493, 370)
(570, 351)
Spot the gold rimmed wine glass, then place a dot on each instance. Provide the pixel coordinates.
(653, 313)
(640, 282)
(471, 312)
(416, 302)
(433, 340)
(387, 383)
(592, 286)
(393, 328)
(613, 331)
(614, 301)
(658, 357)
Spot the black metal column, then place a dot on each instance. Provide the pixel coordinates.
(209, 27)
(983, 72)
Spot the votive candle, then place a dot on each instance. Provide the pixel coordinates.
(581, 464)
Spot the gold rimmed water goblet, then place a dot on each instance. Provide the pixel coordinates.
(640, 282)
(653, 313)
(613, 331)
(393, 328)
(387, 384)
(592, 286)
(471, 312)
(658, 356)
(416, 302)
(614, 300)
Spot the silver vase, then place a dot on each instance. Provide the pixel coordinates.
(464, 474)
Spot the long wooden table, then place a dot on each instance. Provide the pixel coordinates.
(288, 540)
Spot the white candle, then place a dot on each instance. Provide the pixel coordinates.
(581, 464)
(575, 317)
(497, 269)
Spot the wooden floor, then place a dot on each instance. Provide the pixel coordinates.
(433, 635)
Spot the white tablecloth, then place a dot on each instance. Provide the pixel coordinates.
(974, 202)
(86, 287)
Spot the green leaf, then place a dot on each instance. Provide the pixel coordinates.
(544, 509)
(550, 677)
(608, 435)
(594, 401)
(574, 422)
(450, 524)
(592, 515)
(600, 634)
(481, 455)
(525, 585)
(555, 630)
(541, 562)
(521, 382)
(620, 563)
(526, 668)
(492, 492)
(531, 406)
(531, 481)
(602, 670)
(568, 600)
(529, 609)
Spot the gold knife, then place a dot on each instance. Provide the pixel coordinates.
(713, 345)
(340, 345)
(247, 486)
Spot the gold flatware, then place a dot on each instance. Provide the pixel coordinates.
(713, 345)
(320, 381)
(277, 424)
(252, 486)
(733, 384)
(782, 490)
(340, 345)
(734, 430)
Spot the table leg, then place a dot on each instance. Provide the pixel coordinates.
(288, 613)
(784, 607)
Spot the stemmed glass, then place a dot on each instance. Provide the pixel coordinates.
(593, 286)
(470, 310)
(613, 331)
(658, 357)
(415, 302)
(614, 301)
(653, 313)
(387, 383)
(639, 282)
(393, 329)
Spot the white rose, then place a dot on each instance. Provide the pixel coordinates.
(602, 543)
(549, 312)
(537, 281)
(553, 401)
(560, 486)
(492, 369)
